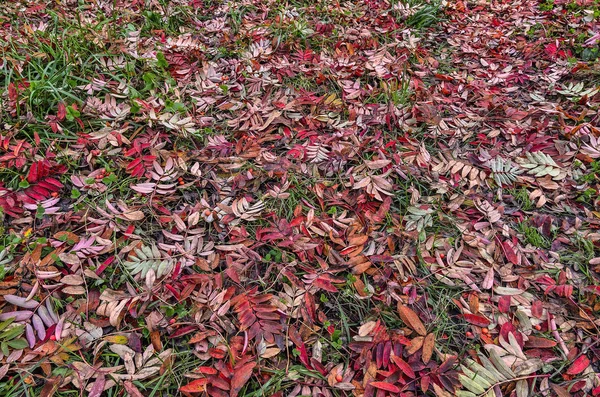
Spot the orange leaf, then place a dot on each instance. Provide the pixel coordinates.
(428, 345)
(155, 339)
(240, 377)
(411, 319)
(195, 386)
(415, 345)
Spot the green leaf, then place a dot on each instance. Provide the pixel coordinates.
(471, 384)
(12, 333)
(6, 323)
(161, 60)
(24, 184)
(109, 179)
(72, 113)
(75, 194)
(18, 344)
(39, 212)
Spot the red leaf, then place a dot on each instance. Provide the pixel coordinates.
(217, 353)
(537, 309)
(404, 367)
(386, 386)
(564, 290)
(387, 349)
(539, 343)
(195, 386)
(579, 365)
(183, 331)
(325, 284)
(477, 320)
(504, 304)
(510, 253)
(61, 112)
(206, 370)
(219, 382)
(240, 377)
(33, 172)
(304, 356)
(319, 367)
(509, 328)
(551, 49)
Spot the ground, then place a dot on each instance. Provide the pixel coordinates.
(299, 198)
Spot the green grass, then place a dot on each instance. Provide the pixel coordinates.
(532, 236)
(579, 257)
(521, 196)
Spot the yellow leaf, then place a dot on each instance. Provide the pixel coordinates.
(117, 339)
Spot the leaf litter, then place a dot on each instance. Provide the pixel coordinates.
(291, 198)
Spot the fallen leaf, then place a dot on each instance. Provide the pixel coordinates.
(579, 365)
(385, 386)
(241, 375)
(476, 319)
(195, 386)
(411, 319)
(428, 345)
(536, 342)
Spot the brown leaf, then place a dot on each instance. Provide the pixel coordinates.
(474, 303)
(536, 342)
(428, 345)
(415, 345)
(411, 319)
(132, 216)
(74, 290)
(560, 391)
(132, 389)
(69, 259)
(50, 387)
(156, 342)
(72, 279)
(439, 392)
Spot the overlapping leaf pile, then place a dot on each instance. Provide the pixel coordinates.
(300, 198)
